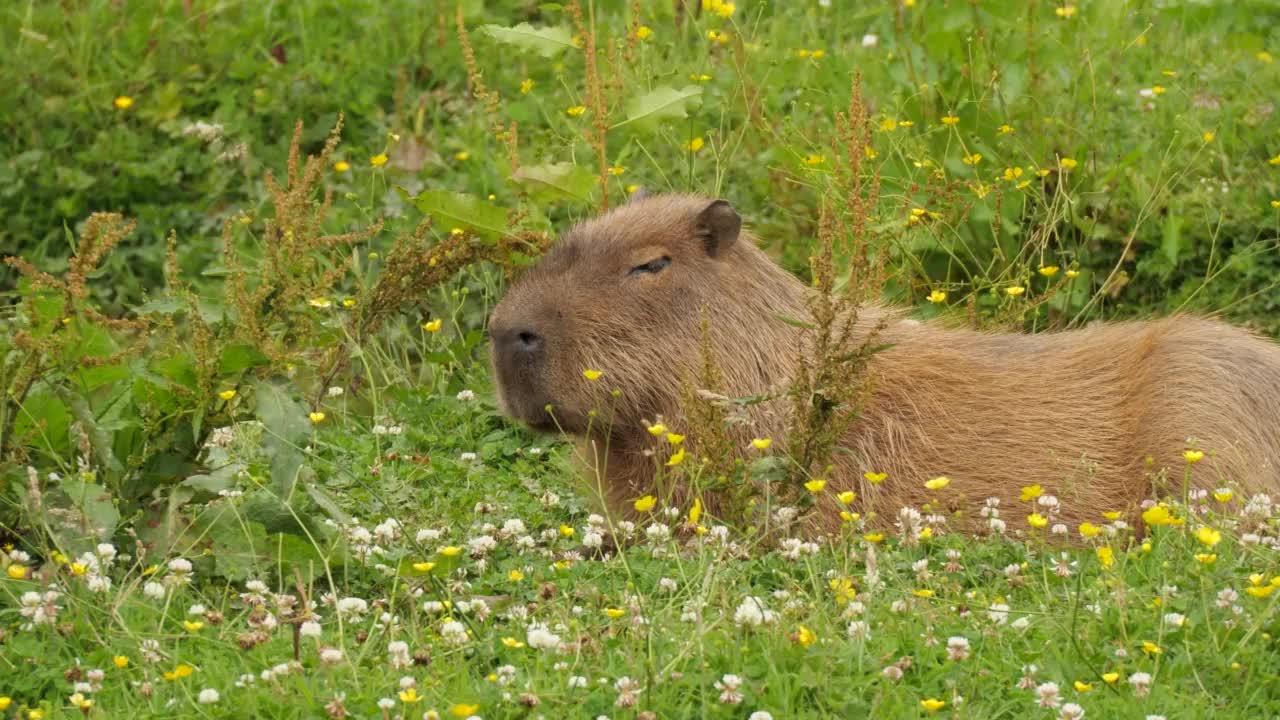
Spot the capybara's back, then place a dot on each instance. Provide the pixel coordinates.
(1101, 418)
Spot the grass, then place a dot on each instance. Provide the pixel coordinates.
(300, 397)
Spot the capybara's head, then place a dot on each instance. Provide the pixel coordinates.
(621, 294)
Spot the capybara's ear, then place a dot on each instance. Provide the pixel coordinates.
(638, 195)
(717, 226)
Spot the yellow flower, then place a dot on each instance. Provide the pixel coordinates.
(120, 661)
(1043, 172)
(1014, 290)
(804, 636)
(924, 593)
(410, 696)
(761, 443)
(873, 537)
(192, 625)
(1012, 173)
(937, 296)
(1048, 270)
(124, 102)
(342, 166)
(378, 160)
(870, 152)
(463, 710)
(676, 459)
(937, 483)
(973, 159)
(576, 110)
(614, 613)
(846, 497)
(424, 567)
(719, 7)
(1068, 163)
(616, 170)
(1206, 558)
(1066, 11)
(515, 575)
(348, 302)
(1223, 495)
(1088, 529)
(695, 512)
(932, 704)
(5, 702)
(1208, 535)
(179, 672)
(1030, 492)
(847, 516)
(695, 144)
(319, 302)
(1110, 678)
(1151, 648)
(1036, 520)
(1260, 591)
(656, 429)
(1082, 686)
(1193, 456)
(1274, 161)
(888, 125)
(592, 375)
(433, 326)
(566, 531)
(1112, 515)
(875, 477)
(1264, 56)
(645, 504)
(812, 160)
(950, 120)
(1005, 129)
(1106, 556)
(227, 394)
(17, 572)
(81, 702)
(717, 37)
(462, 156)
(450, 551)
(644, 32)
(1208, 136)
(815, 486)
(512, 643)
(1157, 89)
(1159, 515)
(316, 417)
(674, 439)
(35, 715)
(632, 188)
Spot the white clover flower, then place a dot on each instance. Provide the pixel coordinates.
(998, 613)
(538, 636)
(153, 590)
(1071, 711)
(454, 632)
(753, 612)
(957, 648)
(859, 630)
(330, 656)
(398, 654)
(892, 673)
(728, 687)
(208, 696)
(870, 41)
(309, 629)
(466, 396)
(353, 606)
(577, 681)
(667, 585)
(1047, 695)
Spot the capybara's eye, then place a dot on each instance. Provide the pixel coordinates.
(653, 266)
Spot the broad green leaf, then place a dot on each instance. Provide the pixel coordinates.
(462, 210)
(238, 357)
(546, 41)
(286, 428)
(559, 180)
(1171, 241)
(662, 103)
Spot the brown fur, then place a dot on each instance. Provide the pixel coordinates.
(1077, 412)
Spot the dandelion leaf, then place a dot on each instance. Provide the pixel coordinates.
(661, 103)
(462, 210)
(545, 41)
(556, 181)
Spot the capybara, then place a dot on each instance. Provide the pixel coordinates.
(1094, 416)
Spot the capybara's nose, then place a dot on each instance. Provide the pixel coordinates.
(524, 344)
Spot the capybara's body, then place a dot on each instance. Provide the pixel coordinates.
(1098, 417)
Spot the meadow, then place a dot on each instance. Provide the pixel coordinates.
(251, 462)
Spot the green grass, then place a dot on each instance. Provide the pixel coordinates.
(136, 437)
